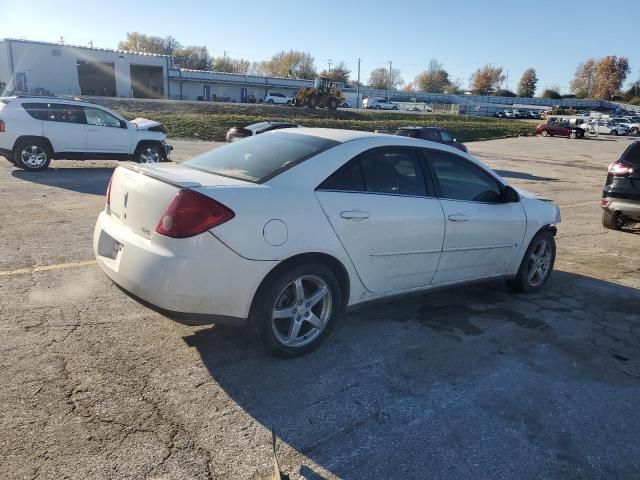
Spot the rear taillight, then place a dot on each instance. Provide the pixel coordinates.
(618, 168)
(604, 202)
(107, 197)
(191, 213)
(2, 126)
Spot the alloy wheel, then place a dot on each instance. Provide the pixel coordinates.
(539, 264)
(301, 311)
(149, 155)
(33, 156)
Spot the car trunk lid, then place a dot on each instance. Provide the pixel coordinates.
(140, 194)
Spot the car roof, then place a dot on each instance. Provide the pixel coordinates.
(51, 99)
(417, 127)
(336, 134)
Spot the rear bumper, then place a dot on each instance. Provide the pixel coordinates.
(628, 208)
(197, 276)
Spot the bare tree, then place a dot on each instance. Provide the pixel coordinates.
(195, 58)
(527, 84)
(486, 79)
(379, 79)
(293, 64)
(434, 79)
(339, 73)
(230, 65)
(584, 80)
(141, 42)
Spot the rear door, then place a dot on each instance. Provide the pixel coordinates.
(482, 233)
(65, 127)
(387, 218)
(105, 134)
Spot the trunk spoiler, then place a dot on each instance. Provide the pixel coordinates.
(161, 175)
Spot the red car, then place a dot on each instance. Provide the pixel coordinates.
(561, 129)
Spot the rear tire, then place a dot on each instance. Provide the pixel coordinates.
(32, 155)
(573, 135)
(612, 220)
(544, 133)
(635, 131)
(537, 264)
(377, 107)
(614, 133)
(290, 324)
(394, 108)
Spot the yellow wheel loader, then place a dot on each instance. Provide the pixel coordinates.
(323, 94)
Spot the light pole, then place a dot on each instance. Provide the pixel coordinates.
(358, 85)
(390, 80)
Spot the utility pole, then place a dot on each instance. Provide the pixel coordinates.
(506, 83)
(91, 43)
(358, 85)
(224, 55)
(390, 80)
(329, 66)
(61, 40)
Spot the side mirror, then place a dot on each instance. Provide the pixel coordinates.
(123, 124)
(509, 195)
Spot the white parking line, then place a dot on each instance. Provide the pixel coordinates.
(46, 268)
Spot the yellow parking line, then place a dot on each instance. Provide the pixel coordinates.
(46, 268)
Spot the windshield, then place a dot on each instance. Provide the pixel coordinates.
(262, 157)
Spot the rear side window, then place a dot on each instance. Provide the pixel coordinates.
(632, 154)
(260, 157)
(391, 171)
(39, 111)
(407, 132)
(60, 112)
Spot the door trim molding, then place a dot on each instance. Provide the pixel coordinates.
(483, 247)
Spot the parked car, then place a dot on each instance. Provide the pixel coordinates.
(629, 123)
(345, 105)
(519, 114)
(621, 193)
(238, 133)
(499, 114)
(36, 129)
(532, 114)
(285, 230)
(560, 129)
(379, 104)
(278, 98)
(604, 126)
(509, 114)
(433, 134)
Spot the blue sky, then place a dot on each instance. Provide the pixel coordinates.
(551, 36)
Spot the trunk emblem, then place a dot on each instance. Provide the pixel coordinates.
(126, 199)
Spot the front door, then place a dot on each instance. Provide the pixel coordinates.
(387, 218)
(105, 134)
(482, 233)
(206, 93)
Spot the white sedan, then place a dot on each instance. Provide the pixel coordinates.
(286, 229)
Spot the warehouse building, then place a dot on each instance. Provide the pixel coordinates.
(41, 68)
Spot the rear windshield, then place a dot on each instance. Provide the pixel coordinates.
(262, 157)
(632, 154)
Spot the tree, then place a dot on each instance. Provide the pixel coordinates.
(486, 79)
(409, 87)
(527, 84)
(3, 85)
(140, 42)
(294, 64)
(455, 87)
(504, 93)
(434, 79)
(339, 73)
(379, 79)
(551, 93)
(611, 72)
(230, 65)
(195, 58)
(600, 78)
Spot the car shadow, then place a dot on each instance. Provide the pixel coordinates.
(409, 388)
(524, 176)
(92, 181)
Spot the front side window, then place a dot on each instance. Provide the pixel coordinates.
(446, 136)
(60, 112)
(96, 116)
(391, 171)
(260, 157)
(459, 179)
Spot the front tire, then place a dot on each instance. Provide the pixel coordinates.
(32, 155)
(614, 133)
(296, 310)
(537, 264)
(573, 135)
(635, 131)
(149, 153)
(544, 133)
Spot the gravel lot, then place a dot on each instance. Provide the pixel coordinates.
(474, 382)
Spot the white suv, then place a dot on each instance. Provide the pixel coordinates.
(379, 104)
(280, 98)
(35, 130)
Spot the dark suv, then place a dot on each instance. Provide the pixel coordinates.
(621, 194)
(433, 134)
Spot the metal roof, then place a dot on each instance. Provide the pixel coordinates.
(63, 45)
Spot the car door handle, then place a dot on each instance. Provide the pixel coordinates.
(354, 215)
(458, 217)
